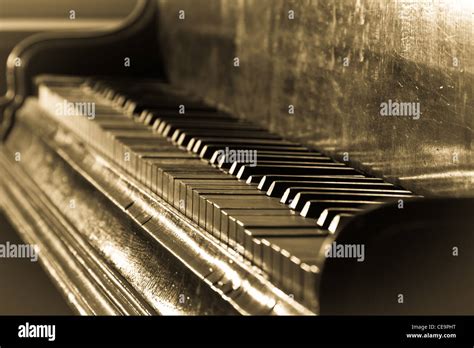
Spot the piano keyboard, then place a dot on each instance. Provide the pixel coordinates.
(275, 212)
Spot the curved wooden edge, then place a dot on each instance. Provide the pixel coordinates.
(79, 52)
(88, 284)
(410, 259)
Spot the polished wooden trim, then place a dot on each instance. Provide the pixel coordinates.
(172, 265)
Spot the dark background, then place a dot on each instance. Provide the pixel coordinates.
(22, 18)
(25, 289)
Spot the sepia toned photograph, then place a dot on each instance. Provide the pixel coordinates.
(221, 158)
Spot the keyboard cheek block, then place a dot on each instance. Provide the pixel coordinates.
(429, 235)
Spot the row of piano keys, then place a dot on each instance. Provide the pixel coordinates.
(275, 213)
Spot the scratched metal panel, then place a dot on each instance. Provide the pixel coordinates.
(336, 62)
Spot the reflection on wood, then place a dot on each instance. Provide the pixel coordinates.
(335, 63)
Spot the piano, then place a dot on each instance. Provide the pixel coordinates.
(222, 158)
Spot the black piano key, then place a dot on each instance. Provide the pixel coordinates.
(247, 170)
(133, 133)
(243, 228)
(192, 115)
(200, 204)
(339, 221)
(136, 89)
(209, 150)
(307, 249)
(121, 126)
(269, 222)
(215, 204)
(265, 180)
(165, 101)
(291, 192)
(278, 188)
(328, 214)
(301, 198)
(157, 119)
(245, 236)
(314, 208)
(311, 156)
(196, 144)
(150, 154)
(167, 128)
(147, 142)
(236, 166)
(182, 137)
(254, 179)
(224, 162)
(226, 214)
(136, 106)
(124, 85)
(197, 121)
